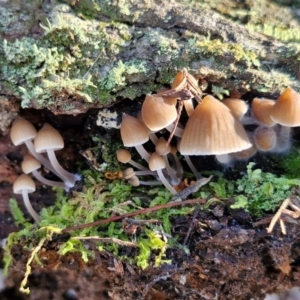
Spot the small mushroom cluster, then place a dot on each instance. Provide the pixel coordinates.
(48, 140)
(213, 128)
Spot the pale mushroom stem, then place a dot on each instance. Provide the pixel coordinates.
(192, 167)
(171, 172)
(142, 152)
(249, 121)
(153, 138)
(145, 172)
(43, 160)
(165, 182)
(178, 131)
(178, 166)
(29, 207)
(189, 106)
(154, 182)
(69, 178)
(137, 165)
(43, 180)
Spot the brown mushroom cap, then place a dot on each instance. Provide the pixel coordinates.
(162, 147)
(48, 138)
(265, 138)
(212, 129)
(157, 112)
(123, 156)
(21, 131)
(134, 181)
(133, 131)
(261, 111)
(286, 110)
(156, 162)
(23, 183)
(30, 164)
(238, 107)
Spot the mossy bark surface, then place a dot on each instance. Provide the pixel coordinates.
(72, 55)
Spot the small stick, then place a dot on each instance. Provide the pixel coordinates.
(135, 213)
(191, 189)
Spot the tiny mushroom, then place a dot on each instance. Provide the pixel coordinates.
(49, 140)
(238, 107)
(124, 157)
(24, 185)
(265, 138)
(286, 110)
(134, 181)
(158, 112)
(22, 131)
(212, 129)
(261, 111)
(157, 163)
(134, 134)
(31, 165)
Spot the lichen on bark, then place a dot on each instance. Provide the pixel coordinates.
(89, 53)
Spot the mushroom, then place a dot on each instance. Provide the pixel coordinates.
(48, 140)
(157, 163)
(129, 172)
(22, 131)
(134, 181)
(30, 165)
(24, 185)
(238, 107)
(261, 110)
(163, 148)
(224, 159)
(158, 112)
(124, 157)
(212, 129)
(134, 134)
(265, 138)
(247, 153)
(286, 110)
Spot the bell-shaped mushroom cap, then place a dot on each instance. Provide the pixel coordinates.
(21, 131)
(128, 173)
(123, 156)
(261, 111)
(134, 181)
(23, 183)
(212, 129)
(265, 138)
(156, 162)
(48, 138)
(157, 112)
(161, 147)
(30, 164)
(238, 107)
(286, 110)
(133, 131)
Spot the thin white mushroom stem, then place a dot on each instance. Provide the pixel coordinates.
(145, 172)
(171, 172)
(137, 165)
(152, 182)
(142, 152)
(189, 106)
(153, 137)
(249, 121)
(192, 167)
(43, 180)
(165, 182)
(178, 165)
(178, 131)
(43, 160)
(69, 178)
(29, 207)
